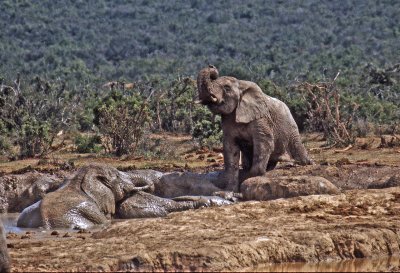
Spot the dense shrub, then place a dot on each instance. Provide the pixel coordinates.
(121, 120)
(87, 143)
(207, 128)
(33, 114)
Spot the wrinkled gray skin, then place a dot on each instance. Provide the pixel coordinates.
(88, 198)
(145, 205)
(97, 192)
(4, 257)
(178, 184)
(253, 123)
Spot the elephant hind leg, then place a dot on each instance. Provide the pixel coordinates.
(298, 152)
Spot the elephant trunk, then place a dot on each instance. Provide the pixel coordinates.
(205, 85)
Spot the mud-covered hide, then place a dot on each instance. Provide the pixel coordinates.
(145, 205)
(145, 178)
(179, 184)
(86, 199)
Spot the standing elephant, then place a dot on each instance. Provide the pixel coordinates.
(253, 123)
(87, 199)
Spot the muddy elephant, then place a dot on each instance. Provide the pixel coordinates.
(4, 257)
(259, 127)
(146, 205)
(86, 199)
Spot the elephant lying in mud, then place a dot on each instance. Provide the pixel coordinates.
(4, 257)
(146, 205)
(97, 192)
(254, 124)
(88, 198)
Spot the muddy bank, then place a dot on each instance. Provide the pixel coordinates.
(18, 191)
(353, 224)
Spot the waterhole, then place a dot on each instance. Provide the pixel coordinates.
(355, 265)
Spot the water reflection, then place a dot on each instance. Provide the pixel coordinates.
(10, 223)
(355, 265)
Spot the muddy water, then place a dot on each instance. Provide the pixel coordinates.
(10, 223)
(355, 265)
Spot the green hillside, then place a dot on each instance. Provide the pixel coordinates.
(281, 40)
(55, 56)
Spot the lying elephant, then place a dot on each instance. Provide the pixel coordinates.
(88, 198)
(97, 192)
(4, 258)
(145, 205)
(254, 124)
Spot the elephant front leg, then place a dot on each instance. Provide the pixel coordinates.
(231, 161)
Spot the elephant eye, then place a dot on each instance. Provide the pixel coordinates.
(227, 88)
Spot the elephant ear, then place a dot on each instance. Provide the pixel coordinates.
(252, 105)
(94, 186)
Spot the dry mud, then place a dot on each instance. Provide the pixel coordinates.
(318, 228)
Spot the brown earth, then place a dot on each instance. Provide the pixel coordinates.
(356, 223)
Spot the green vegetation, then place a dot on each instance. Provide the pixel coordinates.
(85, 41)
(56, 55)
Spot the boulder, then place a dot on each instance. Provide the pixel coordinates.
(269, 188)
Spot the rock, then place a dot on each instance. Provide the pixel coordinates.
(177, 184)
(266, 188)
(20, 191)
(393, 181)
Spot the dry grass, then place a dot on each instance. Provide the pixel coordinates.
(179, 152)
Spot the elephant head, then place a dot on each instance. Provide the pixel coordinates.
(228, 95)
(105, 185)
(86, 199)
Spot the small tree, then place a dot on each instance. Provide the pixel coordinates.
(326, 113)
(207, 127)
(121, 120)
(174, 106)
(32, 115)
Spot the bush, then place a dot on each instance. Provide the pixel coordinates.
(121, 119)
(87, 144)
(32, 115)
(207, 128)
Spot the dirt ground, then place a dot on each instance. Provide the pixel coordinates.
(322, 229)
